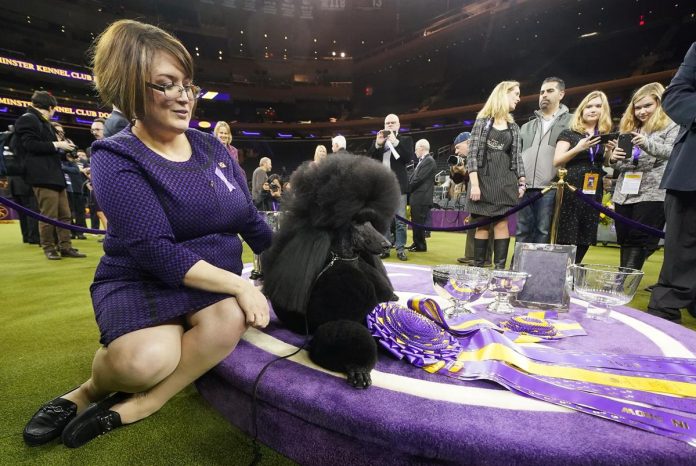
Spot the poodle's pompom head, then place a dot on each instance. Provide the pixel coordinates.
(344, 189)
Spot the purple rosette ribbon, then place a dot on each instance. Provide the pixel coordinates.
(407, 334)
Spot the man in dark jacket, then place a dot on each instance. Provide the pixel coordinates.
(421, 186)
(115, 123)
(676, 288)
(38, 146)
(396, 152)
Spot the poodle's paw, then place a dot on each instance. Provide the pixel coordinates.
(359, 377)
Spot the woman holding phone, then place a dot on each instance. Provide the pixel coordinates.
(579, 151)
(638, 195)
(496, 171)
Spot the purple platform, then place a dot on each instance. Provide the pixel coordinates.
(412, 417)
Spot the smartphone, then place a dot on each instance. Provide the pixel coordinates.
(605, 138)
(626, 144)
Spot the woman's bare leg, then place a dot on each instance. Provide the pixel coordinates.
(131, 363)
(215, 332)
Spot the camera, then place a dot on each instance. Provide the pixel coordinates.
(386, 133)
(275, 187)
(456, 160)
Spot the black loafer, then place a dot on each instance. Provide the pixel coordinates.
(94, 421)
(49, 421)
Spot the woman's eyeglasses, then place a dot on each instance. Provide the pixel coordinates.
(174, 91)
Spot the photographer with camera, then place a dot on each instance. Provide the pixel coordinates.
(74, 179)
(271, 194)
(39, 147)
(395, 151)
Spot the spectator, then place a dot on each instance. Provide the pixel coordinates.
(676, 288)
(259, 177)
(395, 151)
(74, 181)
(23, 195)
(578, 150)
(223, 132)
(459, 180)
(538, 138)
(272, 194)
(637, 194)
(421, 186)
(320, 153)
(115, 123)
(40, 149)
(96, 216)
(496, 171)
(338, 145)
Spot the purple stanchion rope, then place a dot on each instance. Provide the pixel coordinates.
(480, 223)
(618, 217)
(51, 221)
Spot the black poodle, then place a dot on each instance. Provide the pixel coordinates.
(322, 273)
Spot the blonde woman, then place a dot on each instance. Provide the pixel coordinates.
(496, 171)
(579, 151)
(223, 132)
(637, 194)
(320, 153)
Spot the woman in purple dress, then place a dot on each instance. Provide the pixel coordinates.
(167, 294)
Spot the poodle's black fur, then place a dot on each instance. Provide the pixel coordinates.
(322, 270)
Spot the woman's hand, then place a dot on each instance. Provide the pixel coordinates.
(586, 142)
(254, 305)
(475, 194)
(521, 186)
(616, 153)
(638, 139)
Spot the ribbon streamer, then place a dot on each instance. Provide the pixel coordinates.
(659, 402)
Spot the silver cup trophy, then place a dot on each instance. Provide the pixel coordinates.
(505, 284)
(461, 285)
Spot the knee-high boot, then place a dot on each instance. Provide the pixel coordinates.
(480, 247)
(635, 257)
(500, 252)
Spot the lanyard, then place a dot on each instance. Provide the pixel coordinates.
(594, 149)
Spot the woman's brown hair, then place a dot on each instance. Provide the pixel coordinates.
(121, 59)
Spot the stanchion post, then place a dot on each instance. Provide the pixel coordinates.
(560, 185)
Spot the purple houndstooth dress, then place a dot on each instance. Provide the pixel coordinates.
(165, 216)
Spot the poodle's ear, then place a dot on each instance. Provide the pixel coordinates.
(366, 214)
(290, 273)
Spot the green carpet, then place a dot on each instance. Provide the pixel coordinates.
(49, 337)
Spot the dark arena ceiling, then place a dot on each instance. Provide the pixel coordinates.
(312, 68)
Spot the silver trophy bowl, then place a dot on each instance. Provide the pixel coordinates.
(460, 284)
(603, 287)
(505, 284)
